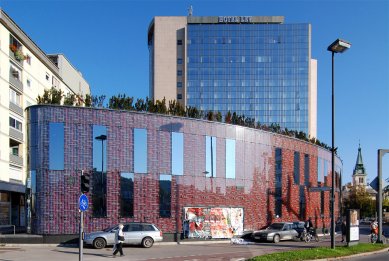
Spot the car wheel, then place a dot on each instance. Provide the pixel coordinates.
(147, 242)
(99, 243)
(276, 238)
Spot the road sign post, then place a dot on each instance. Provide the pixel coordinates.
(381, 153)
(83, 206)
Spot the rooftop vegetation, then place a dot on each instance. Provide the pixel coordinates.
(174, 108)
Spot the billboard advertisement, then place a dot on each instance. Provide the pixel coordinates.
(213, 222)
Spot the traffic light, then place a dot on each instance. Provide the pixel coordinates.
(85, 183)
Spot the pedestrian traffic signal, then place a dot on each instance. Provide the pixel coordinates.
(85, 183)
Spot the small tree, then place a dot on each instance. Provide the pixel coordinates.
(228, 117)
(69, 99)
(88, 100)
(210, 116)
(219, 116)
(51, 96)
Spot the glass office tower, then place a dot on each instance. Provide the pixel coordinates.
(258, 67)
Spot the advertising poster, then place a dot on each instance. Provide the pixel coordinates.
(205, 222)
(353, 225)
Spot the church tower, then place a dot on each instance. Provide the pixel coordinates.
(359, 174)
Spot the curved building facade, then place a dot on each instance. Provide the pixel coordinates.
(190, 177)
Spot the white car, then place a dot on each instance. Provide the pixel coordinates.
(144, 234)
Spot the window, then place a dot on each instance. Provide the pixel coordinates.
(179, 96)
(210, 155)
(29, 83)
(140, 150)
(15, 97)
(296, 170)
(33, 191)
(179, 73)
(15, 124)
(230, 159)
(179, 42)
(56, 146)
(15, 72)
(306, 170)
(127, 194)
(28, 59)
(302, 203)
(47, 77)
(165, 194)
(179, 84)
(55, 82)
(177, 153)
(278, 182)
(179, 61)
(322, 202)
(319, 170)
(99, 190)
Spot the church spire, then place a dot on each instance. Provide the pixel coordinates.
(359, 174)
(359, 164)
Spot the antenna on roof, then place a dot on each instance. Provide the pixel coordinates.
(190, 10)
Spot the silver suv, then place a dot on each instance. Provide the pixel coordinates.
(144, 234)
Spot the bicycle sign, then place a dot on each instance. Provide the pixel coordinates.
(83, 202)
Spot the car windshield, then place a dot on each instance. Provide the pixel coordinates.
(276, 226)
(110, 228)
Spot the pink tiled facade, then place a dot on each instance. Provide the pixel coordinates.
(57, 191)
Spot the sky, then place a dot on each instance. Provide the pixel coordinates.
(107, 41)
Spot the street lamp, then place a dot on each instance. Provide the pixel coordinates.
(339, 46)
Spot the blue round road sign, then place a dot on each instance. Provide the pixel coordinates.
(83, 202)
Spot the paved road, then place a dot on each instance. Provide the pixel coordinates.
(198, 252)
(166, 252)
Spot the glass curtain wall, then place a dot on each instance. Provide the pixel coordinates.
(256, 70)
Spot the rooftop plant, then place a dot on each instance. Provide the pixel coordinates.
(123, 102)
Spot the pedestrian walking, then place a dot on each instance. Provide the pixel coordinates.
(119, 240)
(344, 230)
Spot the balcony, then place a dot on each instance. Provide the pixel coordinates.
(14, 77)
(13, 57)
(15, 160)
(15, 134)
(16, 108)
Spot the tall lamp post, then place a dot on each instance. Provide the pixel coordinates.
(339, 46)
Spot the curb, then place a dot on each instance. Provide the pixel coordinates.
(200, 242)
(352, 256)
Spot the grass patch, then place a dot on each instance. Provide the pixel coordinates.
(320, 252)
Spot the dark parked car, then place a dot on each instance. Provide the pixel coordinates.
(144, 234)
(276, 232)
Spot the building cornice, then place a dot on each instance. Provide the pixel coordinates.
(28, 42)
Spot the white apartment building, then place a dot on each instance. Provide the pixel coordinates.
(25, 72)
